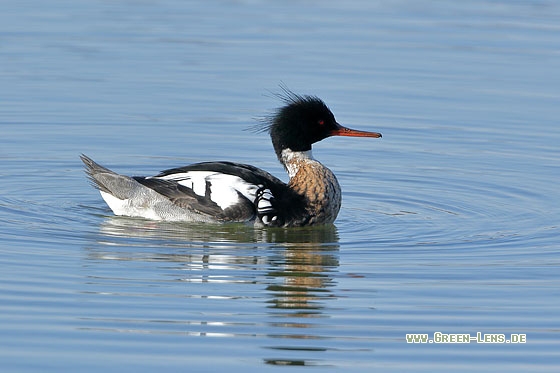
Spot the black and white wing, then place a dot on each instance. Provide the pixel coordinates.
(226, 191)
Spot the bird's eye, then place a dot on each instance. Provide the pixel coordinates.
(321, 122)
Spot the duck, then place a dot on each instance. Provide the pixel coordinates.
(229, 192)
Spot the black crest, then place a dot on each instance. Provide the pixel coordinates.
(302, 121)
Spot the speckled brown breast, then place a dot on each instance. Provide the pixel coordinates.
(319, 185)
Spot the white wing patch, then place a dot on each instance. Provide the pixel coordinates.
(266, 211)
(223, 188)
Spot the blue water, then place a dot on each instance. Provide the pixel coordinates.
(450, 222)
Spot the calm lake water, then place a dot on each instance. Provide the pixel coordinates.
(450, 222)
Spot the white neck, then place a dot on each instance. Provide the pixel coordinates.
(291, 160)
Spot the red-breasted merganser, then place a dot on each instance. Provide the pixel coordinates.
(220, 192)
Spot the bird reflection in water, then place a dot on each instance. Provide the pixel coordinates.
(295, 265)
(299, 275)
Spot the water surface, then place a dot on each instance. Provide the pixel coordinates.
(449, 223)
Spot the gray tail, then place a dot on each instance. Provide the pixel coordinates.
(108, 181)
(96, 173)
